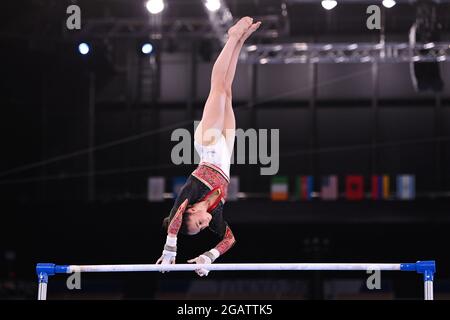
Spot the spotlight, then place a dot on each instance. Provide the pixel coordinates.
(147, 48)
(301, 46)
(212, 5)
(277, 48)
(389, 3)
(329, 4)
(83, 48)
(155, 6)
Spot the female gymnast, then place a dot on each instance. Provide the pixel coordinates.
(200, 202)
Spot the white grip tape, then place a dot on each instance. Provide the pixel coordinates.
(206, 258)
(171, 241)
(169, 253)
(215, 253)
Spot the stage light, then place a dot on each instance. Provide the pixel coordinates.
(301, 46)
(212, 5)
(147, 48)
(155, 6)
(329, 4)
(278, 47)
(83, 48)
(389, 3)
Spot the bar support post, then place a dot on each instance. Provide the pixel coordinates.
(42, 289)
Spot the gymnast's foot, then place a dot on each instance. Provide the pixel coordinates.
(252, 28)
(239, 29)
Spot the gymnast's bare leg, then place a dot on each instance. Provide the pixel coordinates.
(229, 125)
(217, 113)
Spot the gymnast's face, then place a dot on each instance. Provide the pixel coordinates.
(198, 217)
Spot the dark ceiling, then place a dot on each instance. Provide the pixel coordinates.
(308, 21)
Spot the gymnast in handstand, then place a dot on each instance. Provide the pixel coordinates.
(200, 202)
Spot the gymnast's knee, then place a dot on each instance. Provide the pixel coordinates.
(220, 87)
(228, 92)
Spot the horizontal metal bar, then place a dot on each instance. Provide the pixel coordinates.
(236, 267)
(287, 53)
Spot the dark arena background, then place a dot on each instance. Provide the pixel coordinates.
(359, 165)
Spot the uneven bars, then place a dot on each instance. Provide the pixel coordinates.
(427, 268)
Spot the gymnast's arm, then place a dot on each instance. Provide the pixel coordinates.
(227, 242)
(210, 256)
(175, 223)
(170, 248)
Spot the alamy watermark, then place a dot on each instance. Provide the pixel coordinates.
(374, 20)
(374, 280)
(253, 146)
(73, 21)
(74, 281)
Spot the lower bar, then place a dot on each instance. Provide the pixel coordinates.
(234, 267)
(427, 268)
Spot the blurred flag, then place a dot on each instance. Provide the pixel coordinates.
(233, 189)
(329, 188)
(406, 186)
(279, 188)
(386, 187)
(380, 187)
(155, 188)
(377, 187)
(177, 184)
(354, 187)
(303, 187)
